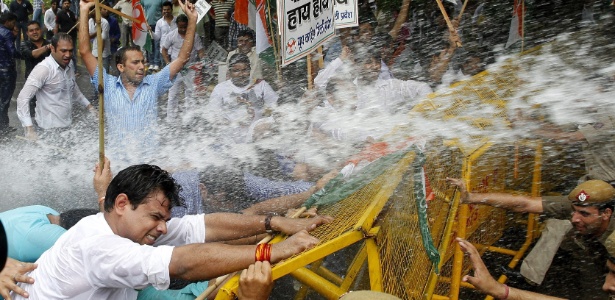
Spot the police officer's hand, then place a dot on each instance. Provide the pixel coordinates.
(465, 196)
(482, 279)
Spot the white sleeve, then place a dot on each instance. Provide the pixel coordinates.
(91, 27)
(197, 43)
(105, 29)
(35, 81)
(158, 31)
(116, 262)
(49, 18)
(188, 229)
(324, 75)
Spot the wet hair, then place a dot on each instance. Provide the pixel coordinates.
(70, 217)
(238, 58)
(65, 1)
(60, 36)
(7, 16)
(167, 3)
(371, 53)
(138, 182)
(32, 22)
(249, 33)
(181, 19)
(120, 56)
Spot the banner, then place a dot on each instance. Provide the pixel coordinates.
(304, 25)
(140, 29)
(346, 13)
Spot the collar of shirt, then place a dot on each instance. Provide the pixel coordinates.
(146, 80)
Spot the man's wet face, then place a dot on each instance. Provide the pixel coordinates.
(240, 74)
(588, 220)
(370, 70)
(244, 44)
(148, 221)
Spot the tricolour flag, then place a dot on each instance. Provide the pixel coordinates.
(516, 24)
(263, 40)
(140, 30)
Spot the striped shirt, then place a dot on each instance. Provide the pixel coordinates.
(131, 125)
(220, 9)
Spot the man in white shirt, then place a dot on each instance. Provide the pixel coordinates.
(164, 26)
(106, 52)
(53, 83)
(170, 47)
(245, 45)
(134, 243)
(238, 102)
(50, 19)
(125, 6)
(391, 96)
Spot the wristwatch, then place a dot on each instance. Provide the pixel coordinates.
(268, 228)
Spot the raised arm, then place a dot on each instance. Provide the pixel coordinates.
(186, 49)
(516, 203)
(484, 282)
(84, 38)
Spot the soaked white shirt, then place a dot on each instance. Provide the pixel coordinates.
(105, 36)
(227, 108)
(55, 89)
(173, 43)
(91, 262)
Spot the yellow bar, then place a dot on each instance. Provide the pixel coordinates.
(325, 273)
(373, 263)
(387, 189)
(319, 284)
(317, 253)
(355, 268)
(227, 291)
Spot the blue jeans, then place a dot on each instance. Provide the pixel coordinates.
(36, 16)
(8, 77)
(154, 57)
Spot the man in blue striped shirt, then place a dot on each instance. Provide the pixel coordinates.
(131, 99)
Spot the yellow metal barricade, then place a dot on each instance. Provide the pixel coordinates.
(381, 219)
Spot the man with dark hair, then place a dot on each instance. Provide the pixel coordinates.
(65, 21)
(131, 107)
(22, 9)
(8, 70)
(238, 102)
(245, 45)
(53, 83)
(134, 243)
(33, 51)
(164, 26)
(589, 207)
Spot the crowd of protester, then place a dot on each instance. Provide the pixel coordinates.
(278, 143)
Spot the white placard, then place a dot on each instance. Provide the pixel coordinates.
(202, 7)
(305, 25)
(346, 13)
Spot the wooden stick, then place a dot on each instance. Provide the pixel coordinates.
(221, 279)
(119, 13)
(463, 8)
(101, 87)
(451, 28)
